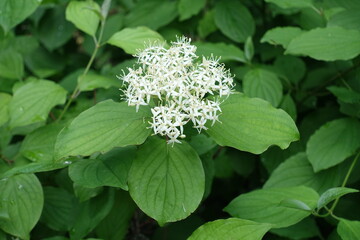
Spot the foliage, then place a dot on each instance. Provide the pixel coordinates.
(278, 160)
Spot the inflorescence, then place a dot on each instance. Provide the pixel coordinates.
(178, 85)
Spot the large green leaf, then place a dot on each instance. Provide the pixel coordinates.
(252, 125)
(349, 230)
(188, 8)
(264, 205)
(333, 143)
(328, 44)
(110, 169)
(59, 209)
(103, 127)
(53, 30)
(345, 94)
(4, 107)
(232, 228)
(263, 84)
(11, 64)
(226, 52)
(281, 35)
(292, 4)
(332, 194)
(33, 101)
(297, 171)
(22, 199)
(167, 182)
(153, 14)
(83, 14)
(92, 81)
(234, 20)
(349, 19)
(14, 12)
(134, 39)
(39, 145)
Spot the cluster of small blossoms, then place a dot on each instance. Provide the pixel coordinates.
(180, 86)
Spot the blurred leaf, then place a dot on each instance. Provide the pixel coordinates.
(83, 15)
(93, 81)
(297, 171)
(33, 101)
(344, 94)
(25, 44)
(38, 146)
(207, 24)
(263, 205)
(59, 209)
(252, 125)
(232, 228)
(349, 19)
(4, 107)
(290, 67)
(110, 169)
(166, 182)
(22, 199)
(295, 204)
(234, 20)
(188, 8)
(263, 84)
(289, 106)
(134, 39)
(115, 225)
(11, 64)
(84, 194)
(292, 4)
(113, 24)
(153, 14)
(281, 35)
(327, 44)
(104, 126)
(349, 230)
(14, 12)
(249, 49)
(53, 30)
(324, 149)
(332, 194)
(226, 52)
(304, 229)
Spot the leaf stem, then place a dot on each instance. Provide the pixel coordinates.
(345, 181)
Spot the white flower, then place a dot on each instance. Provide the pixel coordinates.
(179, 85)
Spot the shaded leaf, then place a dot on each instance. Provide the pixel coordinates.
(281, 35)
(188, 8)
(332, 194)
(4, 107)
(349, 230)
(226, 52)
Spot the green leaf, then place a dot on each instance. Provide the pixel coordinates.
(4, 107)
(22, 198)
(207, 24)
(33, 101)
(115, 224)
(110, 169)
(83, 15)
(232, 228)
(100, 128)
(153, 14)
(327, 44)
(349, 19)
(167, 182)
(188, 8)
(249, 49)
(93, 81)
(252, 125)
(264, 205)
(38, 146)
(53, 30)
(332, 194)
(305, 229)
(292, 4)
(349, 230)
(297, 171)
(14, 12)
(11, 64)
(263, 84)
(91, 213)
(281, 35)
(289, 106)
(234, 20)
(295, 204)
(59, 209)
(226, 52)
(291, 68)
(134, 39)
(344, 94)
(324, 149)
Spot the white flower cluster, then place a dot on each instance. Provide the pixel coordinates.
(178, 86)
